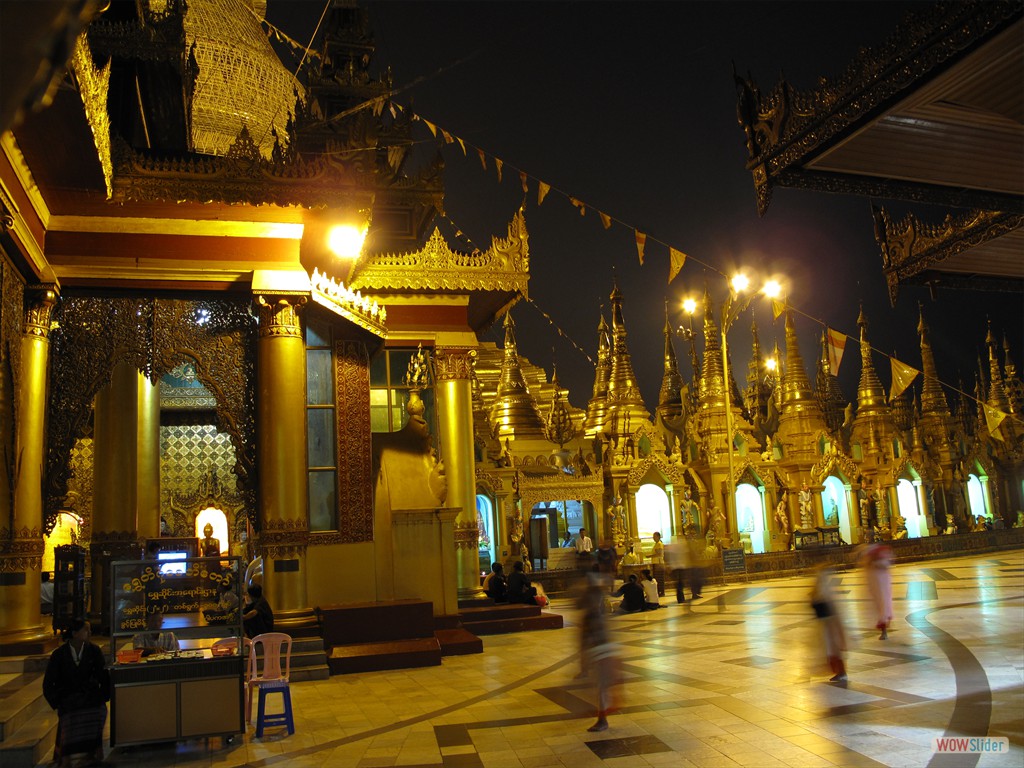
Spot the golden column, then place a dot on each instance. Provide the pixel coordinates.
(147, 483)
(115, 434)
(281, 446)
(21, 629)
(453, 394)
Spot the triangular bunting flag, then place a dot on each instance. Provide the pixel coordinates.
(579, 204)
(542, 191)
(483, 158)
(462, 144)
(993, 418)
(778, 307)
(522, 180)
(641, 239)
(836, 342)
(498, 164)
(606, 220)
(447, 136)
(432, 127)
(676, 259)
(902, 375)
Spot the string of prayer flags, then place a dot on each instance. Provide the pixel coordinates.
(993, 418)
(432, 127)
(522, 180)
(579, 204)
(606, 220)
(461, 144)
(641, 240)
(777, 307)
(542, 191)
(902, 376)
(676, 259)
(447, 136)
(498, 164)
(836, 343)
(483, 158)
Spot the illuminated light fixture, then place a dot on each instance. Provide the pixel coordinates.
(740, 282)
(771, 364)
(772, 289)
(689, 306)
(346, 240)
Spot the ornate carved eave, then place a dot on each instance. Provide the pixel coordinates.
(911, 247)
(785, 126)
(351, 305)
(243, 177)
(534, 489)
(161, 38)
(93, 87)
(505, 266)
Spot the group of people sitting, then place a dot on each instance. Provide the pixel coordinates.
(517, 588)
(638, 595)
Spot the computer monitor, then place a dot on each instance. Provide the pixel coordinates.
(172, 562)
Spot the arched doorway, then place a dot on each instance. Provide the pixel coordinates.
(216, 518)
(486, 527)
(750, 518)
(976, 495)
(906, 495)
(837, 509)
(653, 512)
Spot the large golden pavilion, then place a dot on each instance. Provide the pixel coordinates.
(180, 345)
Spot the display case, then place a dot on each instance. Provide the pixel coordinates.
(68, 585)
(177, 664)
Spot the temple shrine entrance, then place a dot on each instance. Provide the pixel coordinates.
(837, 509)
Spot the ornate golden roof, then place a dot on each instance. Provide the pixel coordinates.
(796, 387)
(505, 266)
(597, 408)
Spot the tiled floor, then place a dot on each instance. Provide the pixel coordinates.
(736, 679)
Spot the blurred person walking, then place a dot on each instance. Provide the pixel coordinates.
(826, 611)
(599, 655)
(876, 559)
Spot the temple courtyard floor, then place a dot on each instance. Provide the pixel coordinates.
(736, 678)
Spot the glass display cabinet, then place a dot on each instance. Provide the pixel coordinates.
(177, 650)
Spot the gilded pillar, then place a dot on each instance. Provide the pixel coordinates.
(21, 548)
(454, 399)
(115, 434)
(281, 445)
(147, 482)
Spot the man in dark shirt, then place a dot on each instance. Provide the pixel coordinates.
(519, 588)
(632, 595)
(257, 617)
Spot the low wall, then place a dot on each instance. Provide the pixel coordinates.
(794, 562)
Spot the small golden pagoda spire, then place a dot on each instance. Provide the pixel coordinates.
(514, 412)
(712, 379)
(670, 402)
(996, 393)
(559, 427)
(597, 413)
(624, 397)
(796, 387)
(933, 399)
(870, 392)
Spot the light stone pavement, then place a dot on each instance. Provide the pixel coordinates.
(738, 678)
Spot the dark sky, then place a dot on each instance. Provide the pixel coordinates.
(630, 108)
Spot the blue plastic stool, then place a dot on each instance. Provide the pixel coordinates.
(283, 718)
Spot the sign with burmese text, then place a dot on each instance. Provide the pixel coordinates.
(143, 595)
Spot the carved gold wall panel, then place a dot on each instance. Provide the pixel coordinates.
(355, 489)
(188, 454)
(154, 335)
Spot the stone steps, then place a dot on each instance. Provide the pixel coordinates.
(28, 727)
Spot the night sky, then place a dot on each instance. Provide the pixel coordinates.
(630, 108)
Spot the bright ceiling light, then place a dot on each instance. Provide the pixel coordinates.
(346, 240)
